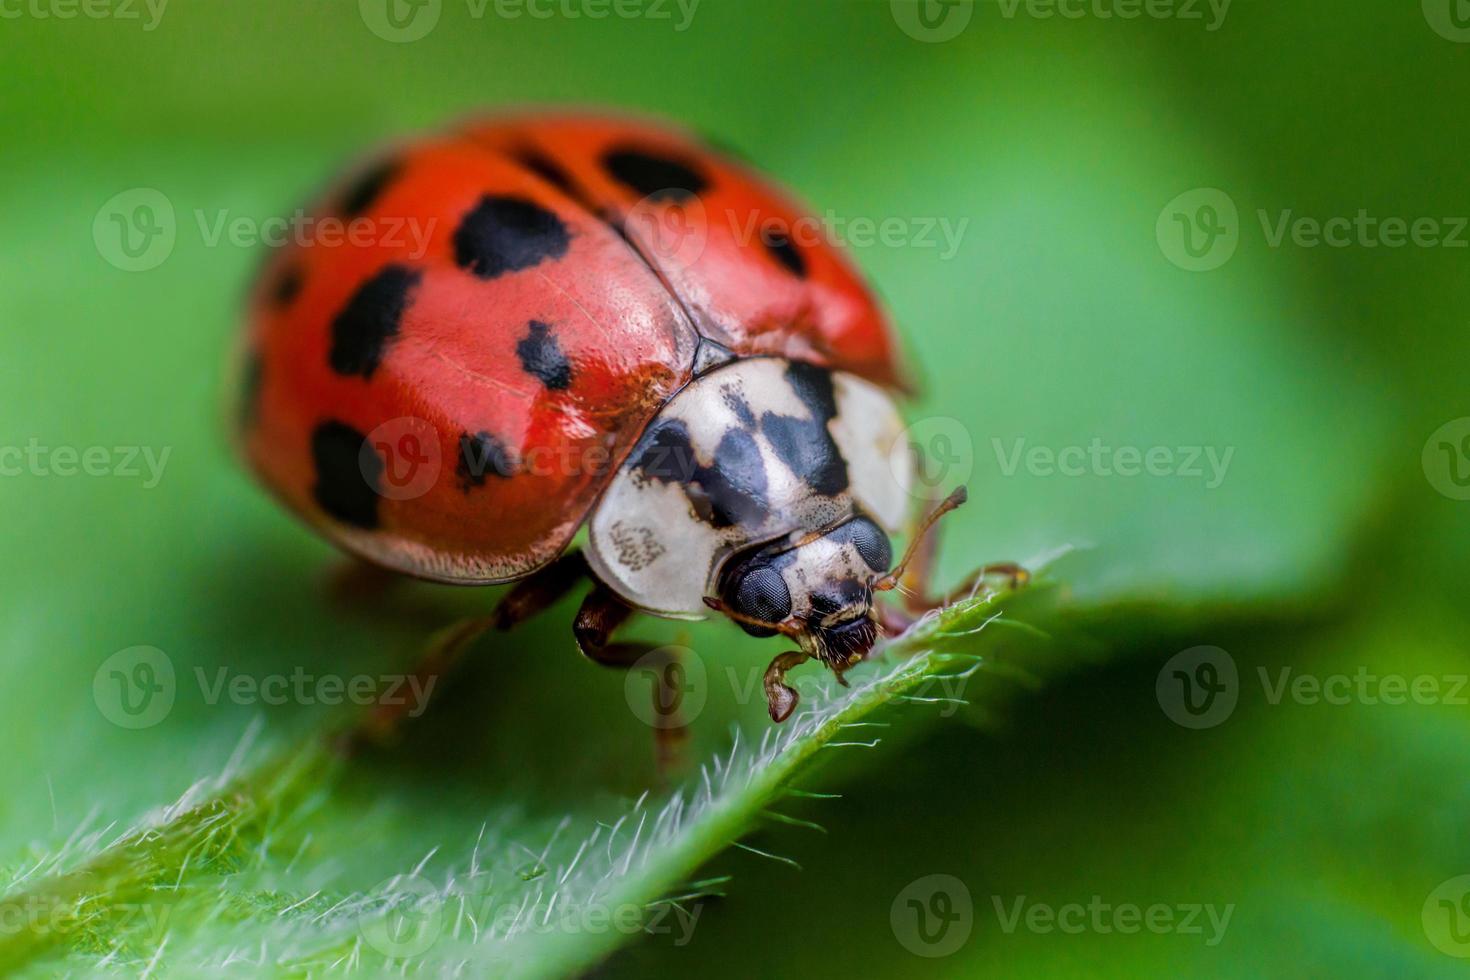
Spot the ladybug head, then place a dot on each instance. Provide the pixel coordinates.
(816, 588)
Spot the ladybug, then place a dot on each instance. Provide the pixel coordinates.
(590, 321)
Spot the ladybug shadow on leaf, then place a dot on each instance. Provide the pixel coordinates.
(520, 707)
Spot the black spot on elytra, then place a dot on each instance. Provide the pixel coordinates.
(547, 169)
(370, 320)
(731, 491)
(806, 445)
(367, 188)
(251, 373)
(507, 234)
(287, 285)
(778, 243)
(654, 175)
(348, 474)
(481, 455)
(541, 356)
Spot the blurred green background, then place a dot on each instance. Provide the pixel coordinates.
(1070, 311)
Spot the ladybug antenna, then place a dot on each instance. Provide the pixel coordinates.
(785, 629)
(890, 581)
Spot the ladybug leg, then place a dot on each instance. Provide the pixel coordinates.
(918, 602)
(601, 614)
(780, 698)
(540, 591)
(440, 654)
(356, 582)
(444, 649)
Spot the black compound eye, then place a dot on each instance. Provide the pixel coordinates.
(762, 594)
(871, 543)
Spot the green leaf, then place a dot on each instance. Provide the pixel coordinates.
(220, 872)
(1057, 321)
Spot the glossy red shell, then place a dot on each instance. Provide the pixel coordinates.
(448, 399)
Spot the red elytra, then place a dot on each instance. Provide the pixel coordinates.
(525, 294)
